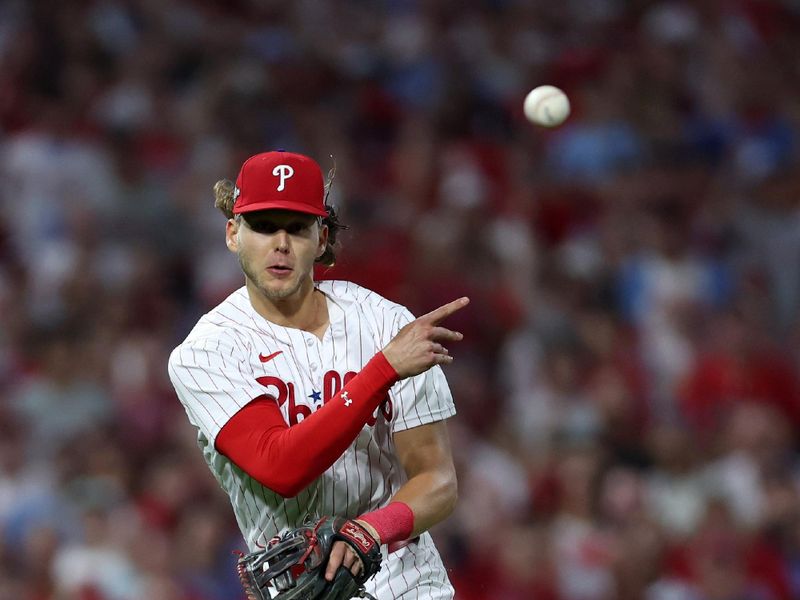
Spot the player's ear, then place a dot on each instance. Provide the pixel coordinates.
(323, 240)
(232, 235)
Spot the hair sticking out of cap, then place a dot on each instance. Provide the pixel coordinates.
(328, 258)
(329, 182)
(224, 197)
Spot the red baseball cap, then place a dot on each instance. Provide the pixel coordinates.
(281, 180)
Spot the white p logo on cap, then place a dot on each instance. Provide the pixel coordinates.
(284, 172)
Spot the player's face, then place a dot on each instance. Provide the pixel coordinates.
(277, 250)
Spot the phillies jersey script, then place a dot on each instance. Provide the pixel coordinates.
(234, 355)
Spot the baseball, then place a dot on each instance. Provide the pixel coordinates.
(547, 106)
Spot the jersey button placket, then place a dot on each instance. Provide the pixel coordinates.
(313, 366)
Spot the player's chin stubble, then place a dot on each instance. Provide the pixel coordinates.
(270, 293)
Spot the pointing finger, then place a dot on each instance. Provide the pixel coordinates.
(445, 310)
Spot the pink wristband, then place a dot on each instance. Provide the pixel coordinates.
(393, 523)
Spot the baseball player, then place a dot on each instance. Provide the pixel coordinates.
(320, 398)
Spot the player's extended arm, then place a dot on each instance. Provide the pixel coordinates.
(287, 459)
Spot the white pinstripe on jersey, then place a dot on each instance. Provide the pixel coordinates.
(217, 370)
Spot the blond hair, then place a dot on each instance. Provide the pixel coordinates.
(223, 197)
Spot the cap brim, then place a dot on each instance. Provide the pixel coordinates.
(293, 206)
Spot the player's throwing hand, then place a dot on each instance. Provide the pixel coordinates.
(418, 346)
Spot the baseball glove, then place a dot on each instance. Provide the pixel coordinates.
(294, 563)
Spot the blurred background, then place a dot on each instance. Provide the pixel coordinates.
(628, 387)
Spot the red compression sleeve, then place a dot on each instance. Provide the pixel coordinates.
(393, 523)
(286, 459)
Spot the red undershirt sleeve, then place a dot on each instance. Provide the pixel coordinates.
(287, 459)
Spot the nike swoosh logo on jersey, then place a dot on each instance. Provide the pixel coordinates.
(269, 357)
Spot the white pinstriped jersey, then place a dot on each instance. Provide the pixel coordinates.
(234, 355)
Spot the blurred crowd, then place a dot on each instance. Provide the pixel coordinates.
(628, 393)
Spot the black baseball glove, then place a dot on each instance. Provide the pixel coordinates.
(294, 563)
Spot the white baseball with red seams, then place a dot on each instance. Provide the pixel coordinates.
(233, 344)
(547, 106)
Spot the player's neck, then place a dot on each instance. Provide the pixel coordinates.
(306, 310)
